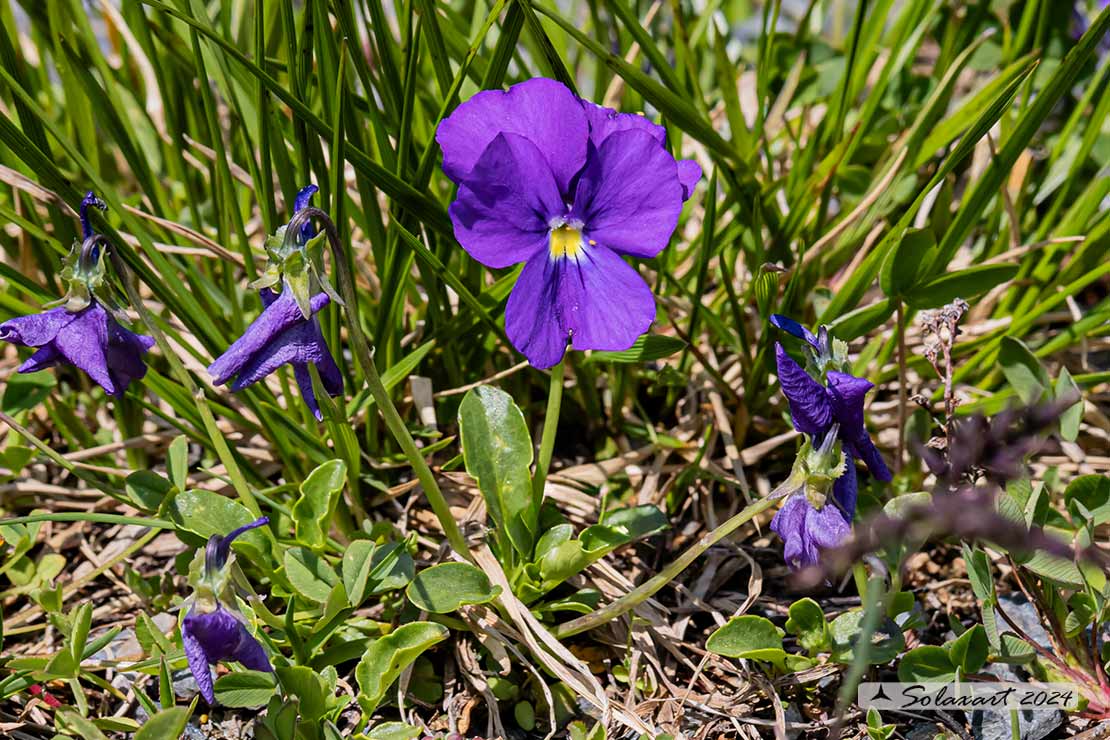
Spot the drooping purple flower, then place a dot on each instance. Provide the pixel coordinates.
(82, 333)
(568, 188)
(806, 529)
(815, 407)
(90, 339)
(281, 335)
(212, 631)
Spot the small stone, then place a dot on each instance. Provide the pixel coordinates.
(996, 725)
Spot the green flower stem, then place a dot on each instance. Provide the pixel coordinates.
(234, 473)
(365, 358)
(90, 516)
(550, 427)
(645, 591)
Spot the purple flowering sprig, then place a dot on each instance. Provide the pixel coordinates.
(213, 630)
(84, 327)
(306, 220)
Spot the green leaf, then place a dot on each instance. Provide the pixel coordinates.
(1066, 388)
(746, 636)
(886, 642)
(177, 462)
(166, 724)
(309, 573)
(313, 511)
(147, 489)
(26, 390)
(807, 621)
(443, 588)
(965, 283)
(648, 348)
(86, 729)
(388, 656)
(908, 263)
(245, 689)
(1087, 499)
(968, 652)
(393, 731)
(497, 450)
(1058, 569)
(928, 663)
(205, 513)
(1023, 370)
(302, 683)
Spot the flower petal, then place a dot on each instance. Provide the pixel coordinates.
(605, 121)
(847, 393)
(542, 110)
(809, 402)
(826, 527)
(504, 208)
(297, 345)
(791, 326)
(44, 357)
(689, 172)
(124, 354)
(281, 313)
(790, 525)
(37, 329)
(249, 652)
(308, 393)
(846, 488)
(603, 302)
(629, 195)
(198, 661)
(82, 342)
(531, 314)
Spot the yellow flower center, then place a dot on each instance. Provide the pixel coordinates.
(566, 241)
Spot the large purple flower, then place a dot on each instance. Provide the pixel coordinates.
(89, 339)
(281, 335)
(212, 631)
(567, 187)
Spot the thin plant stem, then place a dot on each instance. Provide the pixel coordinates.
(365, 357)
(550, 427)
(648, 589)
(902, 401)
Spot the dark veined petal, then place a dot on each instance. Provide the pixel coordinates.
(603, 302)
(790, 525)
(42, 358)
(846, 488)
(281, 313)
(198, 661)
(847, 393)
(82, 342)
(531, 318)
(249, 652)
(544, 111)
(791, 326)
(503, 212)
(689, 172)
(826, 527)
(124, 353)
(605, 121)
(37, 329)
(629, 196)
(809, 402)
(297, 345)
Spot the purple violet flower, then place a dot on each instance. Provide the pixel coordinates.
(831, 412)
(815, 407)
(82, 333)
(567, 187)
(212, 631)
(287, 331)
(281, 335)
